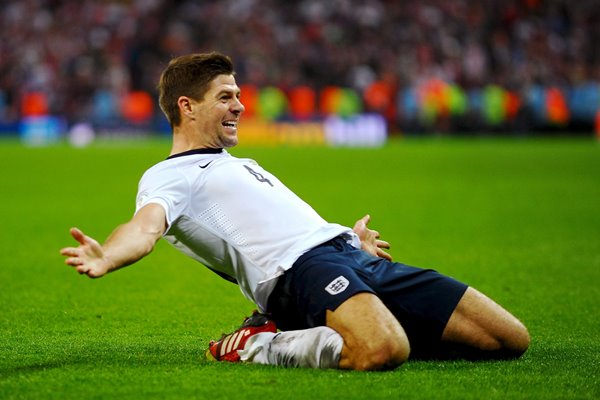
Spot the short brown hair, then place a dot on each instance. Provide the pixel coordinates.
(190, 76)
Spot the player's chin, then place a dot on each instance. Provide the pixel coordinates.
(230, 140)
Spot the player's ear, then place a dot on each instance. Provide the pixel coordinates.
(185, 106)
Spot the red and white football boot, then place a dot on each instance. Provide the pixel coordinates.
(226, 348)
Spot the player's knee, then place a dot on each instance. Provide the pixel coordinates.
(387, 354)
(518, 341)
(512, 343)
(397, 354)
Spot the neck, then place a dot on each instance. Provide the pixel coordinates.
(183, 142)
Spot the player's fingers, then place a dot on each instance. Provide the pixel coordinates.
(78, 235)
(384, 254)
(361, 224)
(74, 261)
(66, 251)
(382, 244)
(69, 251)
(82, 270)
(366, 219)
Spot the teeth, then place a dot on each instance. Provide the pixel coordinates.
(230, 124)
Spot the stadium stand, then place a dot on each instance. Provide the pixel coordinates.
(432, 65)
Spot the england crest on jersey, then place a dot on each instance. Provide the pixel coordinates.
(337, 286)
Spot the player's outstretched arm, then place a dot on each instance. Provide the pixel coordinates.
(127, 244)
(369, 239)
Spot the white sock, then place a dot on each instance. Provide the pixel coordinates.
(318, 347)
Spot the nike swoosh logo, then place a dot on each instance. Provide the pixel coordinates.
(205, 165)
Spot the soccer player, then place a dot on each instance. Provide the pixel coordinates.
(333, 291)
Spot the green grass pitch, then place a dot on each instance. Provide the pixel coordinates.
(517, 219)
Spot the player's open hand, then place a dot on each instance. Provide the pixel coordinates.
(369, 239)
(88, 258)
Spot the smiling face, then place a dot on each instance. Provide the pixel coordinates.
(215, 118)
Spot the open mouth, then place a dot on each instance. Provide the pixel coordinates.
(230, 124)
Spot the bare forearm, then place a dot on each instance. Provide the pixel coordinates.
(127, 244)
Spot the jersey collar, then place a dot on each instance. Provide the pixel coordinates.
(195, 151)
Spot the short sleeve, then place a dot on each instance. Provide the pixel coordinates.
(167, 188)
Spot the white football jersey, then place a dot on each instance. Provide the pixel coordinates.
(234, 217)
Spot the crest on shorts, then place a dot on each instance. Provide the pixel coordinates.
(338, 285)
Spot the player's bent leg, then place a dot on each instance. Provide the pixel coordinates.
(479, 324)
(373, 337)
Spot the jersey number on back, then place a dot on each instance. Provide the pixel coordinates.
(259, 177)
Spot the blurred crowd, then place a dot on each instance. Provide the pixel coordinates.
(73, 50)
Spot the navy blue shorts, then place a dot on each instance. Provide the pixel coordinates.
(322, 279)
